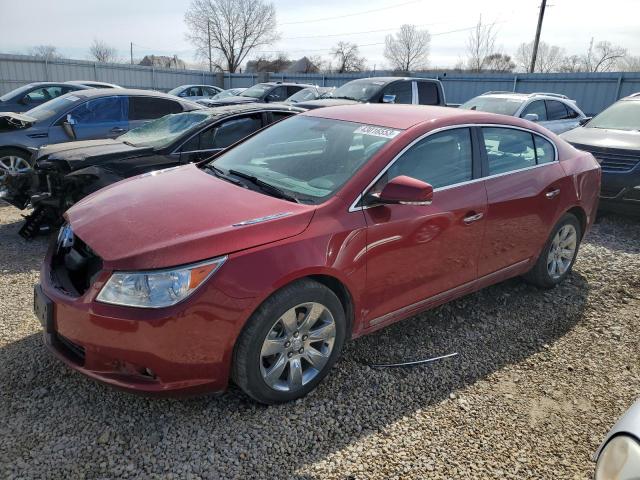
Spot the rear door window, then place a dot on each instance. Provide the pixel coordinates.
(508, 149)
(538, 108)
(428, 93)
(224, 134)
(147, 108)
(402, 90)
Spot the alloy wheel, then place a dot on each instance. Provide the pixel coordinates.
(297, 347)
(12, 164)
(562, 251)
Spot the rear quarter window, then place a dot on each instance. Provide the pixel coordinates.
(428, 93)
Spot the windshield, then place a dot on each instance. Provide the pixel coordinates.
(227, 93)
(52, 107)
(504, 106)
(359, 90)
(162, 132)
(176, 90)
(15, 92)
(308, 158)
(619, 116)
(303, 95)
(256, 91)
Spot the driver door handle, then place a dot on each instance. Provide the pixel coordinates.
(473, 218)
(118, 130)
(552, 193)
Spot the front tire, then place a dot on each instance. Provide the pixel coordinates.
(290, 343)
(558, 255)
(13, 161)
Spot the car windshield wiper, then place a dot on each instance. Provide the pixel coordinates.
(346, 97)
(220, 174)
(265, 186)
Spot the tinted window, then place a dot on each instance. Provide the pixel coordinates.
(556, 110)
(101, 110)
(210, 91)
(278, 94)
(146, 108)
(545, 152)
(402, 90)
(428, 93)
(508, 149)
(225, 134)
(441, 159)
(277, 116)
(538, 108)
(291, 89)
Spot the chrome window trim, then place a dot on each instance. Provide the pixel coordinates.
(354, 205)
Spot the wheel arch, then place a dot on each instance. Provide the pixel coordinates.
(581, 215)
(17, 147)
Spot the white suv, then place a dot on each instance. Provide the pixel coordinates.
(551, 110)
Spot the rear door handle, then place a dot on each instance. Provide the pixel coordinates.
(473, 218)
(118, 130)
(552, 193)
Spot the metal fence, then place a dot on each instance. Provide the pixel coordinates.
(592, 91)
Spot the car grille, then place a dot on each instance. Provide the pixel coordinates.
(74, 268)
(613, 160)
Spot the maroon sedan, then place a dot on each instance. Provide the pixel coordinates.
(258, 265)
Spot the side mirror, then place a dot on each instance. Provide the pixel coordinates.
(532, 117)
(584, 121)
(67, 126)
(405, 190)
(26, 100)
(388, 99)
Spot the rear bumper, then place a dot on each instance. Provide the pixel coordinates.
(184, 349)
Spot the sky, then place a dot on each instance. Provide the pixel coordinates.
(313, 27)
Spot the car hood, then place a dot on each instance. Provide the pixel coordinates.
(325, 102)
(15, 121)
(82, 154)
(603, 138)
(179, 216)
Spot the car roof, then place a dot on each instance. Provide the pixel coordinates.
(406, 116)
(524, 96)
(194, 85)
(110, 92)
(92, 82)
(391, 79)
(55, 84)
(633, 96)
(235, 109)
(287, 84)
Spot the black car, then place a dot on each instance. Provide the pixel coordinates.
(66, 172)
(267, 92)
(33, 94)
(417, 91)
(613, 137)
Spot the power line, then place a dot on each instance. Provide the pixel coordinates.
(351, 14)
(356, 33)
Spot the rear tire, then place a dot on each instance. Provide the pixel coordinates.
(558, 255)
(290, 343)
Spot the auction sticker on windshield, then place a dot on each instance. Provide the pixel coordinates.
(377, 131)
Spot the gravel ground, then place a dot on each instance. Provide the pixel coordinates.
(540, 378)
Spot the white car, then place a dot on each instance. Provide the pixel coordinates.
(618, 457)
(195, 92)
(556, 112)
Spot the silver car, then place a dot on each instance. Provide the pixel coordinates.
(195, 92)
(618, 457)
(551, 110)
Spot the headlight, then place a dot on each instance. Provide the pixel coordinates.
(620, 460)
(159, 288)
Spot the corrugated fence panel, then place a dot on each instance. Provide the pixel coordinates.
(592, 91)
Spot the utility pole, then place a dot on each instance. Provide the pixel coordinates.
(209, 44)
(534, 54)
(131, 53)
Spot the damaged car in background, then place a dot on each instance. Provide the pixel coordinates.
(80, 115)
(66, 172)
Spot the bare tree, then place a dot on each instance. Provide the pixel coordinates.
(549, 58)
(47, 52)
(348, 57)
(102, 52)
(224, 32)
(265, 63)
(499, 62)
(602, 56)
(408, 49)
(480, 44)
(572, 64)
(628, 64)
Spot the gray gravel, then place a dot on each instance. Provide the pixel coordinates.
(540, 378)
